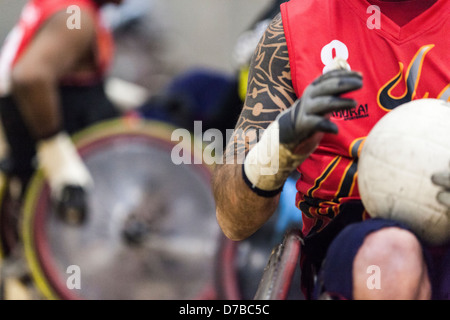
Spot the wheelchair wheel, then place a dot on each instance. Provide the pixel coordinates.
(150, 232)
(240, 264)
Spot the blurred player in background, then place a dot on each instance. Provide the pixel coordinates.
(211, 96)
(52, 69)
(316, 113)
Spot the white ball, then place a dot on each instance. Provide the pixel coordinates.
(401, 153)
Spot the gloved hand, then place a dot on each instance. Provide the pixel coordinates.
(442, 179)
(67, 175)
(297, 131)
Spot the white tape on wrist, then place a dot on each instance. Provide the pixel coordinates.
(269, 163)
(62, 164)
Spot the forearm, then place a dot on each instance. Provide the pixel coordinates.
(38, 102)
(240, 212)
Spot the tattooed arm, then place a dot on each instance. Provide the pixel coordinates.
(240, 212)
(246, 194)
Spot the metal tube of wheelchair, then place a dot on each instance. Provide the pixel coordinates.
(278, 274)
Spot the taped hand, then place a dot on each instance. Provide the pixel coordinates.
(67, 175)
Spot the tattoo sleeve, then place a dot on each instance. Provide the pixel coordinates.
(240, 212)
(269, 91)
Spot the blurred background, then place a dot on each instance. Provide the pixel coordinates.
(179, 35)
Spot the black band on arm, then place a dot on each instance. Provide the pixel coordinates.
(259, 192)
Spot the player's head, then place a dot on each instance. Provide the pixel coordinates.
(102, 2)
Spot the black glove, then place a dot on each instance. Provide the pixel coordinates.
(67, 175)
(442, 179)
(308, 115)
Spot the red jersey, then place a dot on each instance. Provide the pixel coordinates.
(398, 64)
(33, 17)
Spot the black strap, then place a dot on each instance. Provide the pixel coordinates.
(260, 192)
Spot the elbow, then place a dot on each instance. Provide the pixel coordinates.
(233, 235)
(231, 212)
(230, 229)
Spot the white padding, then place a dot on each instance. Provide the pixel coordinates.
(269, 163)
